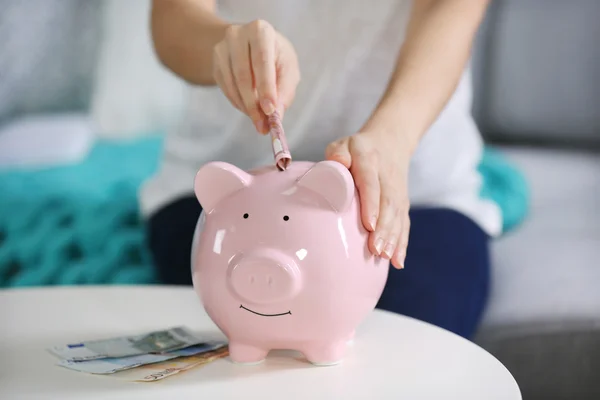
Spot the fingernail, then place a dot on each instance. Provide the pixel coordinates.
(378, 245)
(400, 257)
(388, 251)
(372, 223)
(267, 106)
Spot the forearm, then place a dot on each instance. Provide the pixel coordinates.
(184, 33)
(430, 64)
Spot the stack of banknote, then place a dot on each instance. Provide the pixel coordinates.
(144, 358)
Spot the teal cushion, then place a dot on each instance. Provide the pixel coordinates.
(506, 185)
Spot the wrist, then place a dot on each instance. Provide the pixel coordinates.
(389, 123)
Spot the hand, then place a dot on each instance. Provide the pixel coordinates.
(257, 69)
(379, 164)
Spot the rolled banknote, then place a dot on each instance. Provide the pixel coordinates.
(113, 365)
(153, 342)
(156, 372)
(281, 152)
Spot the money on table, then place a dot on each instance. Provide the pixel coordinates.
(112, 365)
(165, 369)
(161, 341)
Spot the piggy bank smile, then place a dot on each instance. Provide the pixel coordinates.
(265, 315)
(280, 259)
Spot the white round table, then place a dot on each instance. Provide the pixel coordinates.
(392, 357)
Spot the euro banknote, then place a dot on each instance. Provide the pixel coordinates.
(153, 342)
(113, 365)
(281, 152)
(162, 370)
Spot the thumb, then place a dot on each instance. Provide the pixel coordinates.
(339, 151)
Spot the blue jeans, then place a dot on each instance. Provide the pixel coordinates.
(445, 281)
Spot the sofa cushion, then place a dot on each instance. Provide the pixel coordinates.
(543, 318)
(553, 365)
(537, 72)
(549, 269)
(48, 49)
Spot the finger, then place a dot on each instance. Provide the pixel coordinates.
(243, 78)
(262, 54)
(393, 238)
(367, 183)
(339, 151)
(224, 78)
(218, 76)
(288, 77)
(400, 254)
(385, 237)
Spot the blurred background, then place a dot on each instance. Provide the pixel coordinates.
(83, 111)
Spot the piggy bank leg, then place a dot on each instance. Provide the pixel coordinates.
(246, 354)
(326, 353)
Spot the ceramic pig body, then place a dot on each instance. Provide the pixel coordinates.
(280, 259)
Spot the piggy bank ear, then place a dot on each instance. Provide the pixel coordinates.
(217, 180)
(332, 181)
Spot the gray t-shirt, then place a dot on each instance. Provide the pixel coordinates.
(347, 50)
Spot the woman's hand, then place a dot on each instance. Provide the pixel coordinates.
(379, 164)
(257, 69)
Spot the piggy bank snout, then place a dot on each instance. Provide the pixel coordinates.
(264, 277)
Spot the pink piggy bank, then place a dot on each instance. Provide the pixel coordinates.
(280, 259)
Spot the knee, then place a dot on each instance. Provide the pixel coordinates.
(446, 278)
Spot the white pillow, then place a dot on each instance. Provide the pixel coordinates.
(134, 94)
(44, 140)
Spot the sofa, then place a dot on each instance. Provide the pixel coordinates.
(537, 100)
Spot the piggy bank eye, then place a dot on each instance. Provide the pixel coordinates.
(286, 218)
(246, 216)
